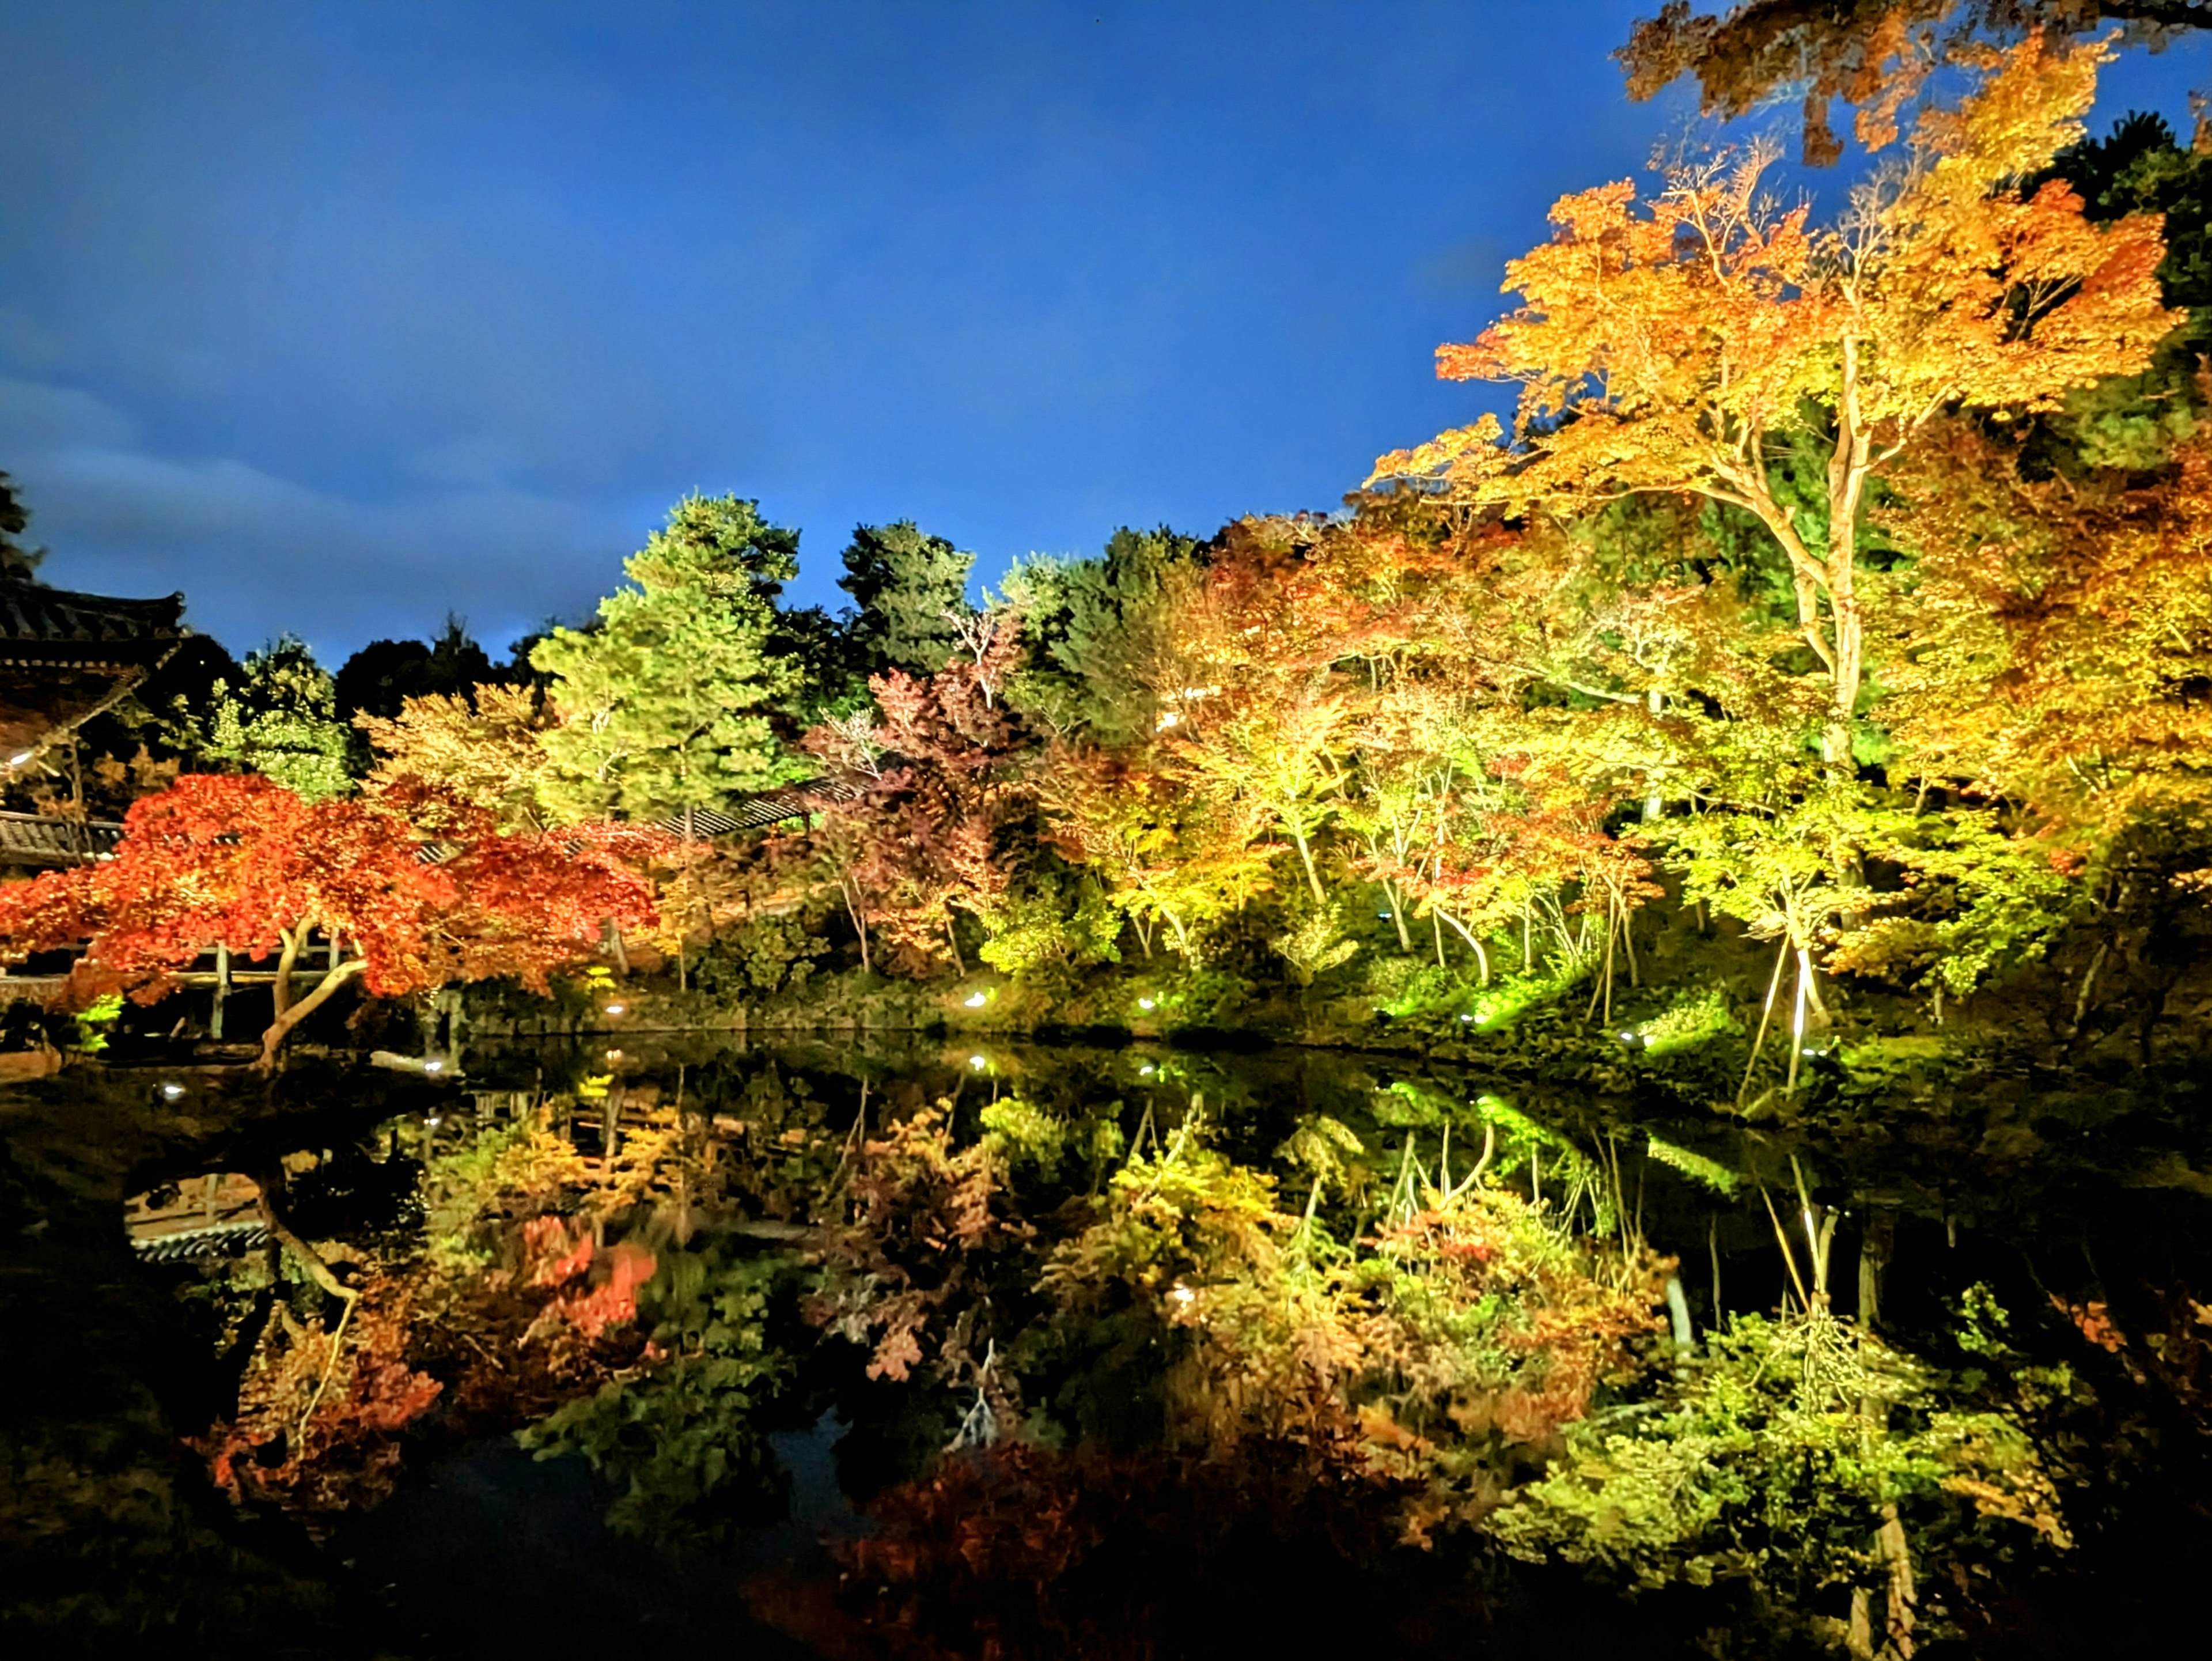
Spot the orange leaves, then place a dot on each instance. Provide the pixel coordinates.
(241, 862)
(2056, 635)
(1683, 345)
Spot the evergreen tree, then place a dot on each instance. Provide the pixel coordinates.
(664, 701)
(381, 676)
(281, 721)
(15, 560)
(908, 588)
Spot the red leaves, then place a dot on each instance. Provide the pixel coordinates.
(921, 830)
(591, 1310)
(241, 862)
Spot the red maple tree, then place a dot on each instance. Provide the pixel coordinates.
(409, 892)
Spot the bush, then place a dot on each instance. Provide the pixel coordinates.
(761, 956)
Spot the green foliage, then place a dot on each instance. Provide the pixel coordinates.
(1315, 943)
(909, 588)
(1101, 629)
(760, 955)
(664, 703)
(1025, 1134)
(1982, 899)
(1776, 1458)
(17, 563)
(93, 1021)
(1711, 1172)
(1693, 1019)
(281, 721)
(683, 1440)
(1055, 918)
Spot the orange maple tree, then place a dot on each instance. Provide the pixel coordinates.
(241, 862)
(1682, 345)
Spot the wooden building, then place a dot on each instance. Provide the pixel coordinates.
(64, 658)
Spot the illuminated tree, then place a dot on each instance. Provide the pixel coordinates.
(911, 589)
(1875, 54)
(926, 791)
(280, 719)
(663, 707)
(1681, 347)
(239, 861)
(1165, 854)
(485, 747)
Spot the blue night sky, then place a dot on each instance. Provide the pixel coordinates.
(341, 316)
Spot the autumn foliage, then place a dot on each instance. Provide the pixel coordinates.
(408, 900)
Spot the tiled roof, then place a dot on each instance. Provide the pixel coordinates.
(30, 615)
(30, 839)
(794, 801)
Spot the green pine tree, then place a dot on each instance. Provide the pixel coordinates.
(665, 701)
(16, 560)
(908, 587)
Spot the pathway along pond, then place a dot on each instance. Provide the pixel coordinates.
(810, 1349)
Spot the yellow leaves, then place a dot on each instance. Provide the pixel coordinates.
(1462, 452)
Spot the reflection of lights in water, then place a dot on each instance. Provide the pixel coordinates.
(976, 1062)
(974, 1000)
(171, 1093)
(1144, 1003)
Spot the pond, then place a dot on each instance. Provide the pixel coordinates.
(821, 1347)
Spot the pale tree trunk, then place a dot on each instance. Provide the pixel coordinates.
(286, 960)
(1482, 957)
(1305, 857)
(292, 1014)
(1397, 904)
(849, 889)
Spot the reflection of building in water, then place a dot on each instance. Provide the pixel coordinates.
(200, 1216)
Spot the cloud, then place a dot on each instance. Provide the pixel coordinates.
(255, 552)
(38, 417)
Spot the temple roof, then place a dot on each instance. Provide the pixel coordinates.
(66, 656)
(36, 618)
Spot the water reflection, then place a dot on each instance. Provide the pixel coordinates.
(1042, 1344)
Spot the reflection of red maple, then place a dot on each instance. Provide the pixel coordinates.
(592, 1310)
(242, 862)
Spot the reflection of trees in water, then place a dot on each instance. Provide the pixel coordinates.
(1212, 1275)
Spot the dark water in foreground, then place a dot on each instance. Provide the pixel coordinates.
(905, 1351)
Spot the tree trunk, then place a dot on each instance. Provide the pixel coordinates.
(684, 907)
(1397, 905)
(1305, 857)
(281, 1029)
(285, 961)
(860, 919)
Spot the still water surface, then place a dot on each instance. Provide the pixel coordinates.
(751, 1430)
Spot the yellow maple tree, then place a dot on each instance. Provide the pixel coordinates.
(1681, 345)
